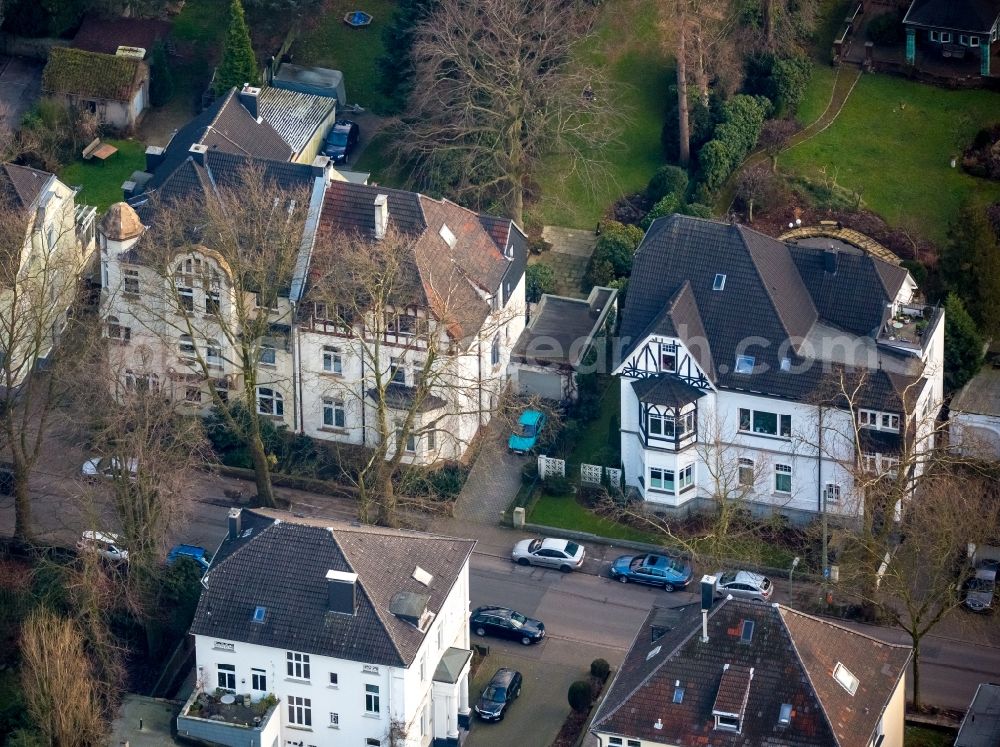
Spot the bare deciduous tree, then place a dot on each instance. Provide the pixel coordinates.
(497, 86)
(57, 681)
(416, 337)
(223, 266)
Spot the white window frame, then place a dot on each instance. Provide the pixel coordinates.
(685, 478)
(213, 354)
(185, 298)
(299, 711)
(782, 423)
(226, 676)
(130, 282)
(431, 440)
(946, 37)
(186, 346)
(118, 331)
(268, 354)
(297, 665)
(889, 422)
(663, 480)
(783, 470)
(935, 36)
(258, 680)
(333, 361)
(373, 700)
(671, 356)
(276, 399)
(331, 409)
(334, 720)
(397, 371)
(746, 473)
(213, 299)
(973, 40)
(831, 492)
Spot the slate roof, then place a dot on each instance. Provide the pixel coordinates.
(451, 281)
(22, 184)
(106, 35)
(561, 329)
(958, 15)
(92, 75)
(295, 116)
(772, 292)
(793, 656)
(981, 723)
(282, 565)
(665, 390)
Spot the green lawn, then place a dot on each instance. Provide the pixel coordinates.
(595, 445)
(817, 94)
(893, 142)
(334, 44)
(102, 180)
(922, 736)
(202, 22)
(627, 46)
(564, 512)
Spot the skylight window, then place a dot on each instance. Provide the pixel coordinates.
(845, 678)
(746, 634)
(786, 364)
(652, 653)
(678, 692)
(259, 613)
(785, 715)
(744, 364)
(719, 283)
(422, 576)
(447, 235)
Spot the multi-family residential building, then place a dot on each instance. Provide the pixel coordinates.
(754, 367)
(746, 673)
(41, 280)
(359, 633)
(460, 303)
(315, 373)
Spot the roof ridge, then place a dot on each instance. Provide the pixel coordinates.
(332, 533)
(241, 548)
(805, 669)
(218, 112)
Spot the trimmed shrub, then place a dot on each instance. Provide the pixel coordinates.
(580, 696)
(539, 278)
(791, 76)
(668, 180)
(600, 669)
(612, 258)
(558, 486)
(669, 205)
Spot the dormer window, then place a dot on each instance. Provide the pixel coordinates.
(719, 283)
(744, 364)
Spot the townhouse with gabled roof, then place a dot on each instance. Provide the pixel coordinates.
(746, 673)
(771, 371)
(360, 633)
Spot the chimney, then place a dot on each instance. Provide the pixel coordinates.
(340, 587)
(154, 157)
(235, 522)
(321, 165)
(707, 600)
(250, 97)
(381, 216)
(830, 260)
(198, 151)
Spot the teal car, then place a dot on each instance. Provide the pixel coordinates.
(530, 426)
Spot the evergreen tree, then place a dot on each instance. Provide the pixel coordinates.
(238, 64)
(161, 84)
(396, 65)
(963, 345)
(970, 264)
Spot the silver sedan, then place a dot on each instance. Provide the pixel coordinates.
(564, 555)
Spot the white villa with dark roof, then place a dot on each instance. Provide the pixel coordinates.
(347, 634)
(764, 370)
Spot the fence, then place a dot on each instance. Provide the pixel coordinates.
(549, 467)
(593, 473)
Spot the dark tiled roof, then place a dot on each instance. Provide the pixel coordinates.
(350, 208)
(959, 15)
(772, 293)
(792, 656)
(561, 329)
(282, 567)
(92, 75)
(106, 35)
(665, 390)
(22, 184)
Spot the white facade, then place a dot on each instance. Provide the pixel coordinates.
(350, 702)
(779, 454)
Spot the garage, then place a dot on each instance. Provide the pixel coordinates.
(548, 385)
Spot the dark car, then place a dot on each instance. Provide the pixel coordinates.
(502, 690)
(506, 623)
(980, 588)
(340, 141)
(666, 571)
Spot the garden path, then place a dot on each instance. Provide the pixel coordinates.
(568, 257)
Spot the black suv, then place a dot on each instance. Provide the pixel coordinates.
(341, 140)
(500, 693)
(506, 623)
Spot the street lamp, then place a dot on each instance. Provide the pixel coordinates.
(795, 564)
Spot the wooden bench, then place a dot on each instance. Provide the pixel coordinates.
(98, 150)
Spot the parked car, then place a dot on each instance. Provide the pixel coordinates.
(529, 426)
(550, 553)
(195, 553)
(107, 467)
(502, 690)
(668, 571)
(744, 584)
(341, 140)
(980, 588)
(105, 544)
(506, 623)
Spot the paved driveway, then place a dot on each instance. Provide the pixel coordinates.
(20, 87)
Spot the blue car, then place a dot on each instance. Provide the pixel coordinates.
(195, 553)
(530, 425)
(665, 571)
